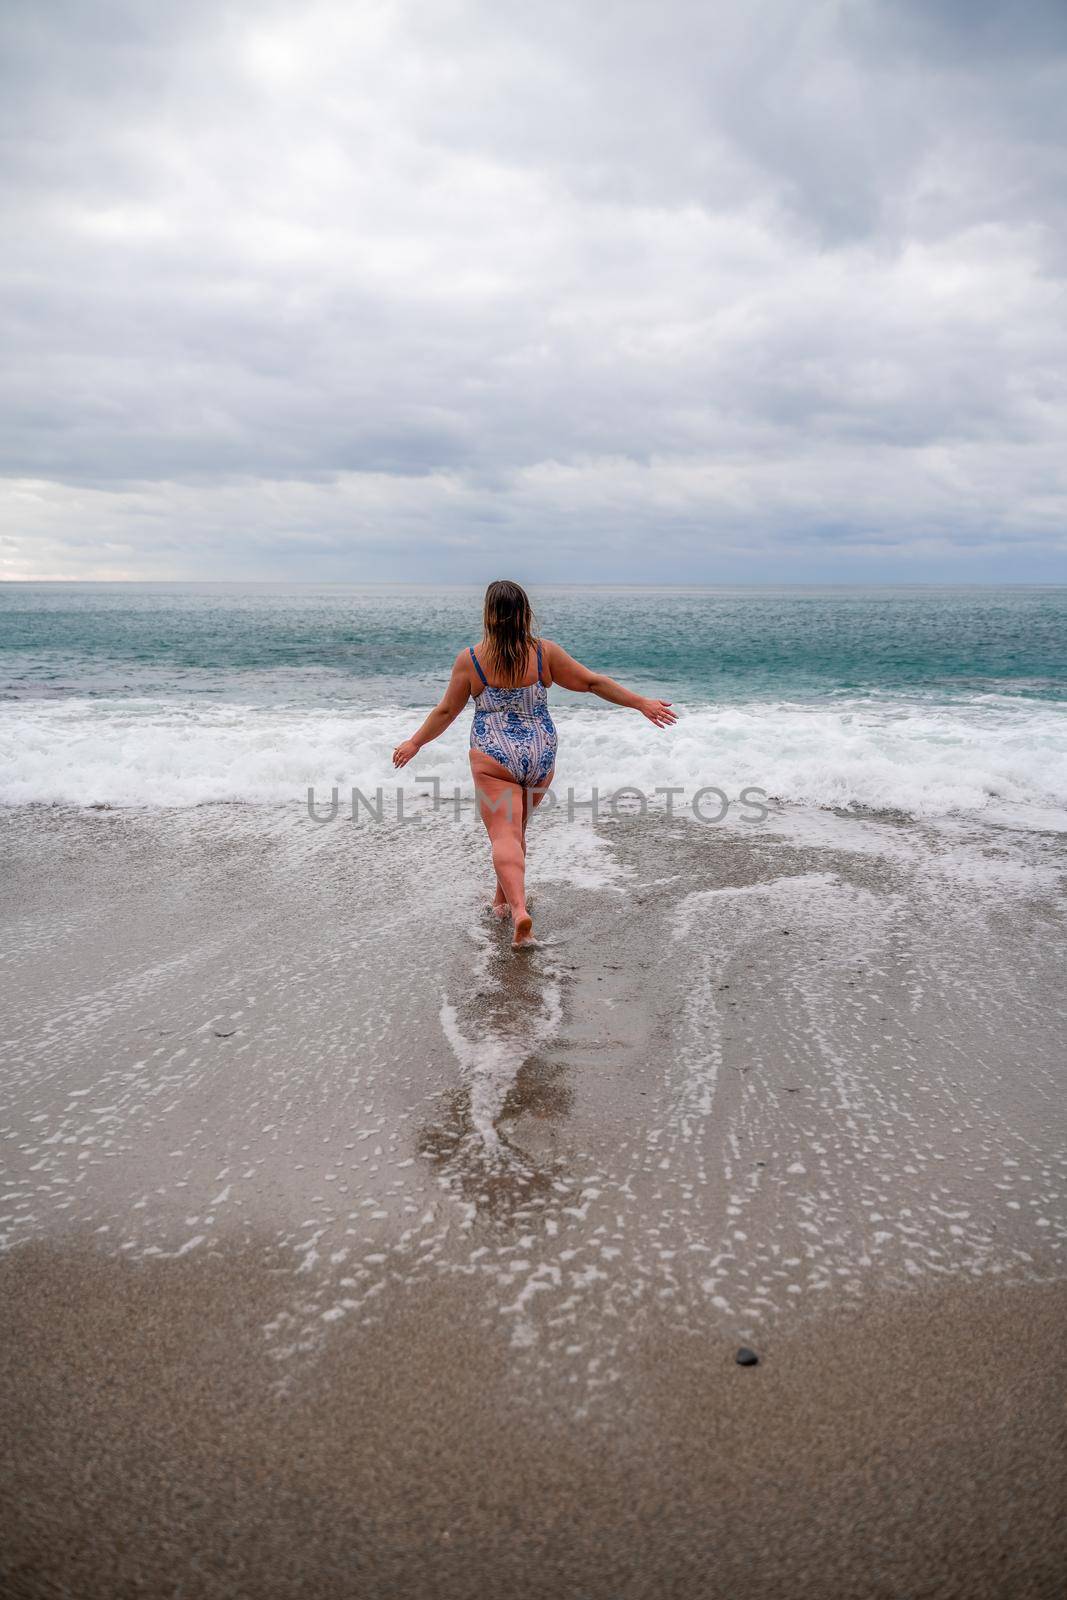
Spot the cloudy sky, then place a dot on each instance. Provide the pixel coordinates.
(649, 290)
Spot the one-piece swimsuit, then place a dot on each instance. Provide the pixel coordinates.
(514, 727)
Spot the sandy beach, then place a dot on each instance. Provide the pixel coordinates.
(346, 1252)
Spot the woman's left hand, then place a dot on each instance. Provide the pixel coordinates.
(404, 752)
(658, 711)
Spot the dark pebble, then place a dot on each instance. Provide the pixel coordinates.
(228, 1034)
(746, 1357)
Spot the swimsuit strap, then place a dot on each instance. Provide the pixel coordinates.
(478, 664)
(539, 661)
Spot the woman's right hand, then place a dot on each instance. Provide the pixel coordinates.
(658, 711)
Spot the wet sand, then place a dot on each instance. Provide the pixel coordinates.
(347, 1252)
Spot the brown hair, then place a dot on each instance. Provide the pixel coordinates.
(508, 622)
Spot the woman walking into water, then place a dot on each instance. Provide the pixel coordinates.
(513, 737)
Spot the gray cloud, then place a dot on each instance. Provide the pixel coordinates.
(661, 291)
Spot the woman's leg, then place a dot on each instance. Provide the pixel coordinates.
(531, 799)
(500, 805)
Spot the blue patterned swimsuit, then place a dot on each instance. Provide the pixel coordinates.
(514, 727)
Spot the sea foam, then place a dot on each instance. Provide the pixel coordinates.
(917, 757)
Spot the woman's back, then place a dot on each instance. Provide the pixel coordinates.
(537, 668)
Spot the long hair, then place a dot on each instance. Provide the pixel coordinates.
(508, 622)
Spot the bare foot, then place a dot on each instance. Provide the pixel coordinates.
(523, 934)
(499, 908)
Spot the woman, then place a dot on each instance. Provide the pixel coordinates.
(513, 739)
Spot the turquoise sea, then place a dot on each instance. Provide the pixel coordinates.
(924, 699)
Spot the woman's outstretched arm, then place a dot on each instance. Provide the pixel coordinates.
(442, 716)
(570, 674)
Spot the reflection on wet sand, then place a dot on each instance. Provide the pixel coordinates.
(498, 1029)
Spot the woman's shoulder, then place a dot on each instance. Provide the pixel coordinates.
(545, 648)
(465, 660)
